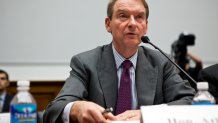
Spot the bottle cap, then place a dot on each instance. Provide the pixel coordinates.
(202, 85)
(23, 83)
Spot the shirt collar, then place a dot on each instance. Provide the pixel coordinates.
(2, 96)
(119, 59)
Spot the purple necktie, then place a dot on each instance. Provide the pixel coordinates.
(124, 94)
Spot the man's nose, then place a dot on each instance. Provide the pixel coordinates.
(132, 21)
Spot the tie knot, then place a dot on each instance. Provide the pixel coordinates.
(127, 64)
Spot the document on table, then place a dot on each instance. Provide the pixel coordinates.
(4, 117)
(137, 121)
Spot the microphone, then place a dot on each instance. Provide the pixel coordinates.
(145, 39)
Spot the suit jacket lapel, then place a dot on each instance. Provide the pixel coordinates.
(6, 106)
(146, 79)
(108, 76)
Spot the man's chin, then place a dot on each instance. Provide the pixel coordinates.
(133, 40)
(132, 36)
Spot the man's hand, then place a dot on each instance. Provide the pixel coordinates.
(129, 115)
(89, 112)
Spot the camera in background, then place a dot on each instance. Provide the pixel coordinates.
(182, 57)
(179, 48)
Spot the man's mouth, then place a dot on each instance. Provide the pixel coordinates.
(131, 33)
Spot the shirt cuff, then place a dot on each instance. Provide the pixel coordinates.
(66, 113)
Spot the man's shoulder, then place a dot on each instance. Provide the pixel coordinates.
(210, 71)
(151, 53)
(92, 56)
(94, 52)
(212, 68)
(9, 95)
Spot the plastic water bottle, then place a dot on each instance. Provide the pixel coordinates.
(203, 96)
(23, 106)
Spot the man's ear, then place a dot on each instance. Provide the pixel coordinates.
(146, 28)
(107, 24)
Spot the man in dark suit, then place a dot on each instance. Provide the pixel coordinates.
(5, 98)
(210, 75)
(96, 76)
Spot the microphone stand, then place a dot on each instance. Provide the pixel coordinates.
(145, 39)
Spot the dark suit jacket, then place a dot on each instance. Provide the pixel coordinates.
(210, 75)
(94, 77)
(6, 106)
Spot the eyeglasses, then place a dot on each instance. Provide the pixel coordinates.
(2, 78)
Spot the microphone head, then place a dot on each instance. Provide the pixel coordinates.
(145, 39)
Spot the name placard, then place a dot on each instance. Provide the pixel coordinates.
(180, 114)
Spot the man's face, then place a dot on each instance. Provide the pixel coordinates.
(128, 23)
(3, 82)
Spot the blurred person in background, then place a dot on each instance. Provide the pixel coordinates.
(183, 58)
(5, 98)
(210, 75)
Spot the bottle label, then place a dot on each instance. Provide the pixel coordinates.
(23, 113)
(203, 103)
